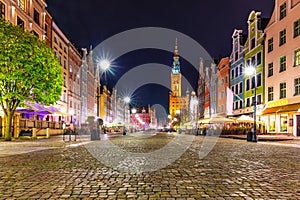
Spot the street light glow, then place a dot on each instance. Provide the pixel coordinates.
(133, 110)
(104, 64)
(250, 70)
(127, 99)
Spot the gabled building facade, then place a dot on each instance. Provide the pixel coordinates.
(213, 94)
(237, 71)
(201, 90)
(223, 83)
(84, 86)
(253, 56)
(282, 54)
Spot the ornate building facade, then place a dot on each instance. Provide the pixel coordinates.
(178, 104)
(282, 56)
(223, 84)
(237, 71)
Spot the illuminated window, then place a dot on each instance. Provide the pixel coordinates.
(270, 69)
(297, 28)
(282, 37)
(297, 86)
(270, 93)
(282, 90)
(272, 123)
(2, 10)
(297, 57)
(283, 123)
(282, 62)
(22, 4)
(282, 11)
(270, 44)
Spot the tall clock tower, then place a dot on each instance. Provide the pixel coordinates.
(175, 94)
(176, 75)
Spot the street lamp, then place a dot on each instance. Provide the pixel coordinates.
(126, 101)
(133, 111)
(102, 66)
(251, 71)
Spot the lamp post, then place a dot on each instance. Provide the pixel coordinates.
(133, 111)
(102, 66)
(126, 101)
(251, 71)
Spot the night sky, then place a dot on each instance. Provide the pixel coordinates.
(210, 23)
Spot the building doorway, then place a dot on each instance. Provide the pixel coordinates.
(298, 125)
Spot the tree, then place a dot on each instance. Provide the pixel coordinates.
(29, 71)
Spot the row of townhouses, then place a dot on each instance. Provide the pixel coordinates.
(81, 97)
(272, 47)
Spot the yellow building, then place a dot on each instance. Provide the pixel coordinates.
(60, 47)
(105, 105)
(178, 104)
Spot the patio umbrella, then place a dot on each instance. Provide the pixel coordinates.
(216, 120)
(222, 120)
(247, 119)
(204, 121)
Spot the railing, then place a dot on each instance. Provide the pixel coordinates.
(40, 124)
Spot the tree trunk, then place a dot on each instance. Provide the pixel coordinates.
(8, 130)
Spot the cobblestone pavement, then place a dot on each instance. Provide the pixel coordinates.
(234, 169)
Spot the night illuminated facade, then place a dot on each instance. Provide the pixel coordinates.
(74, 99)
(254, 56)
(223, 84)
(178, 104)
(60, 47)
(28, 14)
(237, 71)
(282, 86)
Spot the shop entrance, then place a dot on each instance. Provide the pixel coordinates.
(298, 125)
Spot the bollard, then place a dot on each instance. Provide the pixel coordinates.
(47, 133)
(33, 133)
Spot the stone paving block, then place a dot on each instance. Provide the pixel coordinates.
(232, 170)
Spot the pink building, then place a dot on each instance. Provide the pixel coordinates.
(223, 83)
(282, 71)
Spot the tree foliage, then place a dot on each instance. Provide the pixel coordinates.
(29, 70)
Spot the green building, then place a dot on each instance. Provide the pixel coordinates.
(254, 56)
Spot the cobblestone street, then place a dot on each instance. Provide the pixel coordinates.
(234, 169)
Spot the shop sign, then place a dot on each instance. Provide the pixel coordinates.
(281, 102)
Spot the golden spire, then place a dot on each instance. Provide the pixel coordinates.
(176, 47)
